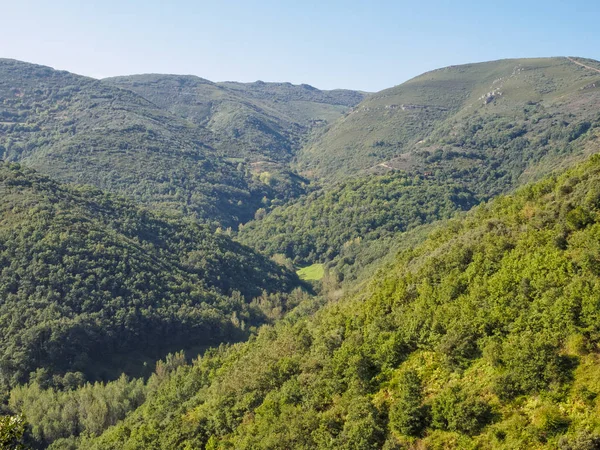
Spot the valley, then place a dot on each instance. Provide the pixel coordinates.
(216, 265)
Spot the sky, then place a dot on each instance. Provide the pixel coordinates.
(365, 45)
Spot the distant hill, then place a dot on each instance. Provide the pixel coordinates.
(493, 124)
(261, 120)
(447, 140)
(82, 130)
(86, 277)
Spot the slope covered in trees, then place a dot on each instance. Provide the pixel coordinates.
(77, 129)
(86, 277)
(484, 336)
(321, 225)
(491, 124)
(261, 120)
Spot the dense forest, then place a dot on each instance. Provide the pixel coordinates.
(483, 336)
(154, 230)
(85, 277)
(318, 226)
(77, 129)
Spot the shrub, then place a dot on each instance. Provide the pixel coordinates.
(532, 362)
(407, 414)
(454, 410)
(584, 440)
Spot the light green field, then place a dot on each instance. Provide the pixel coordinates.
(312, 273)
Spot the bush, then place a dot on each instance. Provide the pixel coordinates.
(454, 410)
(550, 420)
(532, 362)
(407, 414)
(584, 440)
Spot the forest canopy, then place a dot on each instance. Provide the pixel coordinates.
(85, 276)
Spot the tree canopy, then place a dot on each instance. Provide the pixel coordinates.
(85, 276)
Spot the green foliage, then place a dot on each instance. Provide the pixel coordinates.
(485, 296)
(531, 362)
(407, 414)
(85, 277)
(89, 409)
(362, 427)
(12, 430)
(550, 420)
(454, 410)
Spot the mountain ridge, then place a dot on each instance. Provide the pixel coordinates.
(269, 116)
(395, 121)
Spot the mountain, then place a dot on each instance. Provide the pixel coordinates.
(77, 129)
(446, 141)
(484, 336)
(92, 283)
(266, 121)
(493, 124)
(433, 327)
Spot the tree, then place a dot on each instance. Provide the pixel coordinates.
(455, 410)
(12, 429)
(407, 414)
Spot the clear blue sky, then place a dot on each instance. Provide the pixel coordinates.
(367, 45)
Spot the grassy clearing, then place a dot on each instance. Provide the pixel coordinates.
(310, 273)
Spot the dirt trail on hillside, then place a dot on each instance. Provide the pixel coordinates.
(583, 65)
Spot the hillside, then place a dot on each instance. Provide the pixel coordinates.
(266, 121)
(92, 283)
(77, 129)
(493, 125)
(436, 325)
(484, 336)
(321, 226)
(541, 116)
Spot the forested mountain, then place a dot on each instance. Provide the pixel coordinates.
(77, 129)
(266, 121)
(492, 124)
(465, 320)
(484, 336)
(86, 277)
(455, 137)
